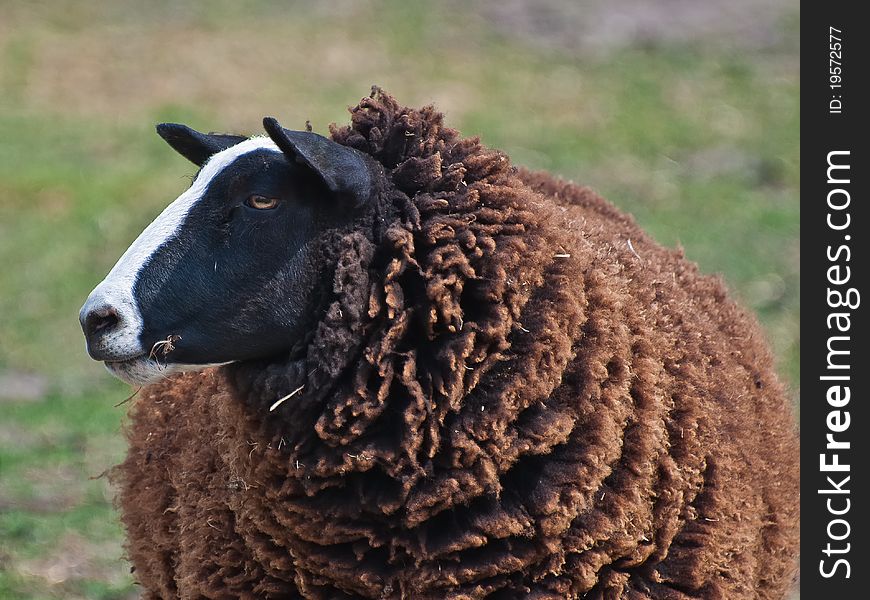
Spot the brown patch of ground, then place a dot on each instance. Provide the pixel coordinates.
(74, 560)
(604, 25)
(50, 488)
(17, 385)
(150, 67)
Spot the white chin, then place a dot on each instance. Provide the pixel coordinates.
(143, 370)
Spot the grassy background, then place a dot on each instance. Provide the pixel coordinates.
(685, 115)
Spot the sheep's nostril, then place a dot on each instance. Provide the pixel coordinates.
(107, 328)
(100, 320)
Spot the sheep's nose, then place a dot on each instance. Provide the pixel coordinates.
(98, 321)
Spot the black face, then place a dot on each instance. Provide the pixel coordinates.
(234, 269)
(238, 280)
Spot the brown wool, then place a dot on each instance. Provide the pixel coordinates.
(513, 392)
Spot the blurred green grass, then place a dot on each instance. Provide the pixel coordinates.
(700, 141)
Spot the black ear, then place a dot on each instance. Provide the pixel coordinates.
(342, 169)
(195, 146)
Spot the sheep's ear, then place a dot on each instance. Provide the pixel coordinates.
(195, 146)
(342, 169)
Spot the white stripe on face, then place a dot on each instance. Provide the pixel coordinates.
(116, 290)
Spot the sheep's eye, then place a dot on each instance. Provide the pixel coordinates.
(261, 202)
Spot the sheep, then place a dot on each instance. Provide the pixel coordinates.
(392, 365)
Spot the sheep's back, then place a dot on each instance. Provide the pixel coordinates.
(708, 448)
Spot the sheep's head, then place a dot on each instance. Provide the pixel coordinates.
(230, 270)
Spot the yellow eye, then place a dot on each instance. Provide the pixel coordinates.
(261, 202)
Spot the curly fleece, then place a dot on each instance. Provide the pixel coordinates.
(511, 392)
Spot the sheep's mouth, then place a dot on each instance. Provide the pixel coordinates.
(124, 360)
(140, 369)
(145, 369)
